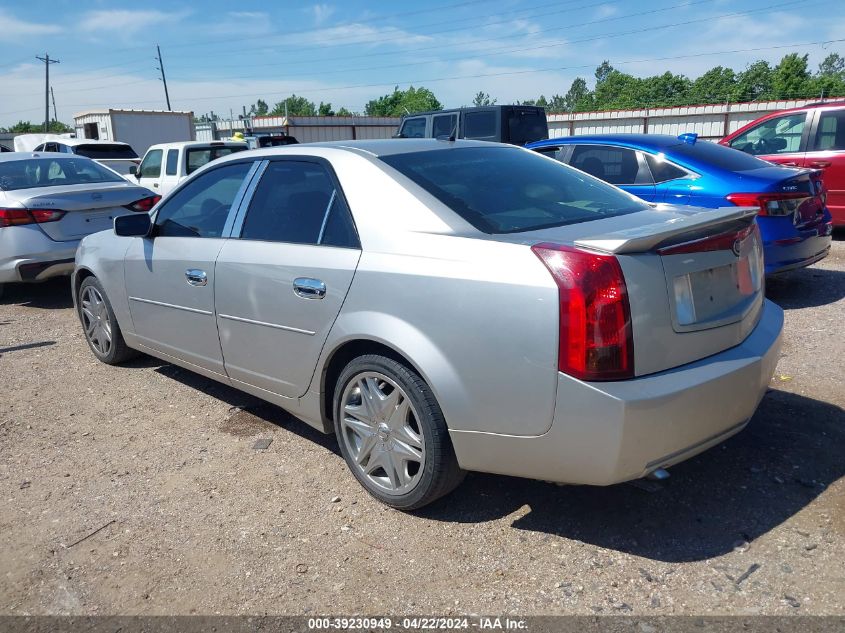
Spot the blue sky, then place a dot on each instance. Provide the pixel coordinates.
(223, 55)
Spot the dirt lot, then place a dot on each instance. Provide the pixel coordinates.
(193, 519)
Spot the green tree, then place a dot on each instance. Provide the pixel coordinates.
(344, 112)
(401, 102)
(791, 78)
(755, 82)
(259, 108)
(483, 99)
(717, 85)
(296, 106)
(578, 97)
(26, 127)
(325, 109)
(603, 71)
(830, 78)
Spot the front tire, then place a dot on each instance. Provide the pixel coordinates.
(392, 433)
(100, 325)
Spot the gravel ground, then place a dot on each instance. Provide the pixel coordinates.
(137, 490)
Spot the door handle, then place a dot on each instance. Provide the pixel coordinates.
(155, 184)
(821, 164)
(196, 277)
(308, 288)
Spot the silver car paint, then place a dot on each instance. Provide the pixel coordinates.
(477, 317)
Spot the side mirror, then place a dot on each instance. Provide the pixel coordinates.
(135, 225)
(136, 171)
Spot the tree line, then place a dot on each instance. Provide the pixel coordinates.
(612, 89)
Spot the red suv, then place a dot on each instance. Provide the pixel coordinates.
(811, 136)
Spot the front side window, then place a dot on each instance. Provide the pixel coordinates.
(172, 162)
(151, 165)
(200, 208)
(508, 190)
(444, 125)
(414, 128)
(616, 165)
(781, 135)
(298, 203)
(830, 135)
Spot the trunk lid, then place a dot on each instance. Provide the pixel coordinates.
(88, 208)
(694, 277)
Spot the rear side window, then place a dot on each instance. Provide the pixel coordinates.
(526, 126)
(198, 157)
(662, 170)
(200, 208)
(480, 125)
(830, 134)
(172, 162)
(414, 128)
(297, 202)
(508, 190)
(717, 155)
(444, 125)
(151, 165)
(616, 165)
(780, 135)
(105, 150)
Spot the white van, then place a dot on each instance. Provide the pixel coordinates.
(167, 164)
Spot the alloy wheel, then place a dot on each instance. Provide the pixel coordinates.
(96, 321)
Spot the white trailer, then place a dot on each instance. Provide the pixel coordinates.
(139, 128)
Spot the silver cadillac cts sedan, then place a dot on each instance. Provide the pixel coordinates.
(446, 306)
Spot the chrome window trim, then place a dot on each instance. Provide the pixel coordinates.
(234, 221)
(276, 326)
(326, 217)
(171, 305)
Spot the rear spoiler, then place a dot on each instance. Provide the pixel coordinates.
(644, 238)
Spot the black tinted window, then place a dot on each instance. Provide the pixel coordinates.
(196, 158)
(444, 125)
(526, 126)
(662, 170)
(200, 208)
(717, 155)
(48, 172)
(830, 134)
(508, 190)
(480, 124)
(414, 128)
(105, 150)
(172, 162)
(297, 202)
(616, 165)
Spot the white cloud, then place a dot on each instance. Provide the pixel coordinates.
(322, 12)
(606, 10)
(248, 15)
(125, 21)
(361, 34)
(13, 28)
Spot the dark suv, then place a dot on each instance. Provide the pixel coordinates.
(512, 124)
(811, 136)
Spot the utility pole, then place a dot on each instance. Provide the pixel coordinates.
(163, 78)
(55, 112)
(47, 61)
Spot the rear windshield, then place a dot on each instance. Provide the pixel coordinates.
(509, 190)
(51, 172)
(526, 126)
(718, 156)
(276, 141)
(105, 150)
(200, 156)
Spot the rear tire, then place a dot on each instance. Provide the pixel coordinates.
(100, 325)
(392, 433)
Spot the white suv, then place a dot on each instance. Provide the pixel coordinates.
(167, 164)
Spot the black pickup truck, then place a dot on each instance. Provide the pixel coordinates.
(513, 124)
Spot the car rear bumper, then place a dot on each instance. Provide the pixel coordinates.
(606, 433)
(27, 254)
(794, 248)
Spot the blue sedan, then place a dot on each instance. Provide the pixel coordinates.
(794, 221)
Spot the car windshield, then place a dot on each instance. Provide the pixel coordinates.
(200, 156)
(509, 190)
(51, 172)
(105, 150)
(718, 155)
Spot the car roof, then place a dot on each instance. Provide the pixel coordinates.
(6, 157)
(378, 147)
(198, 144)
(649, 141)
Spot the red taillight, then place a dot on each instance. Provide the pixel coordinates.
(144, 204)
(720, 242)
(596, 340)
(770, 203)
(17, 217)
